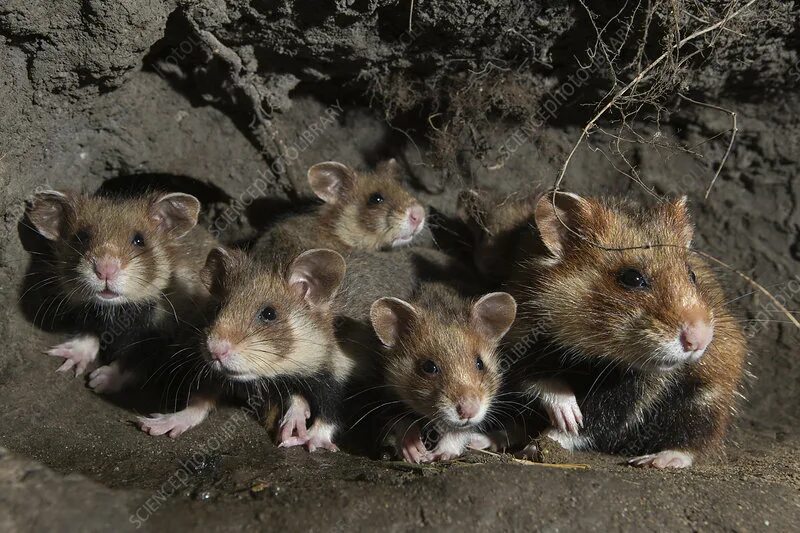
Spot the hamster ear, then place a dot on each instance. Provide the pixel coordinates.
(493, 315)
(48, 212)
(391, 318)
(316, 275)
(569, 207)
(330, 180)
(218, 265)
(390, 168)
(176, 213)
(677, 213)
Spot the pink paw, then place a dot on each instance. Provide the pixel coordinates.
(663, 459)
(564, 412)
(78, 353)
(412, 448)
(173, 424)
(108, 379)
(320, 437)
(292, 430)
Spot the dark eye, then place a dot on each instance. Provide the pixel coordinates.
(692, 276)
(479, 364)
(82, 236)
(429, 367)
(138, 240)
(267, 314)
(630, 278)
(375, 199)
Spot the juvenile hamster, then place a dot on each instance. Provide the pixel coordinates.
(441, 364)
(641, 336)
(502, 229)
(272, 333)
(362, 211)
(127, 268)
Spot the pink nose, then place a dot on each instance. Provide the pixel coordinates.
(220, 350)
(696, 336)
(468, 408)
(416, 215)
(107, 268)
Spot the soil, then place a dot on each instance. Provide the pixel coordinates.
(91, 91)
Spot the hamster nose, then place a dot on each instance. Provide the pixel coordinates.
(416, 215)
(220, 350)
(696, 336)
(106, 268)
(468, 408)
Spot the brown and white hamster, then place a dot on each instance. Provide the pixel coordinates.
(637, 329)
(441, 364)
(127, 268)
(362, 211)
(272, 332)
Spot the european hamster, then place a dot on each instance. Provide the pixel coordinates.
(127, 268)
(273, 333)
(362, 211)
(502, 229)
(641, 335)
(441, 364)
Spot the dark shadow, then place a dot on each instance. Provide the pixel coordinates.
(132, 185)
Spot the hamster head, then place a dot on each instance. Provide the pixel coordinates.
(651, 308)
(367, 211)
(443, 367)
(269, 323)
(494, 224)
(111, 251)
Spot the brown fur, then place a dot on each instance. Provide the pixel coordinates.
(163, 271)
(441, 331)
(591, 314)
(351, 222)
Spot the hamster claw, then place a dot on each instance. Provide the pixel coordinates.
(320, 436)
(292, 430)
(78, 353)
(172, 424)
(565, 414)
(108, 379)
(663, 459)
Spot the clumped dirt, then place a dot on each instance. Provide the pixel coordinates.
(90, 91)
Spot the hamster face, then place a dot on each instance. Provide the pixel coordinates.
(446, 373)
(265, 324)
(113, 251)
(368, 211)
(649, 308)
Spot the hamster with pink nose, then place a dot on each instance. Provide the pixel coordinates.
(368, 211)
(630, 347)
(126, 269)
(441, 366)
(271, 340)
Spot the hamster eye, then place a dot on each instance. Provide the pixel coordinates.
(429, 367)
(375, 199)
(479, 364)
(630, 278)
(268, 314)
(83, 236)
(692, 277)
(137, 240)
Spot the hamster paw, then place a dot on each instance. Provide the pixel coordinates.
(172, 424)
(78, 353)
(320, 436)
(108, 379)
(412, 448)
(663, 459)
(292, 430)
(447, 449)
(564, 412)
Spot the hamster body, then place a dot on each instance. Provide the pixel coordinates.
(362, 211)
(126, 267)
(272, 334)
(441, 366)
(638, 338)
